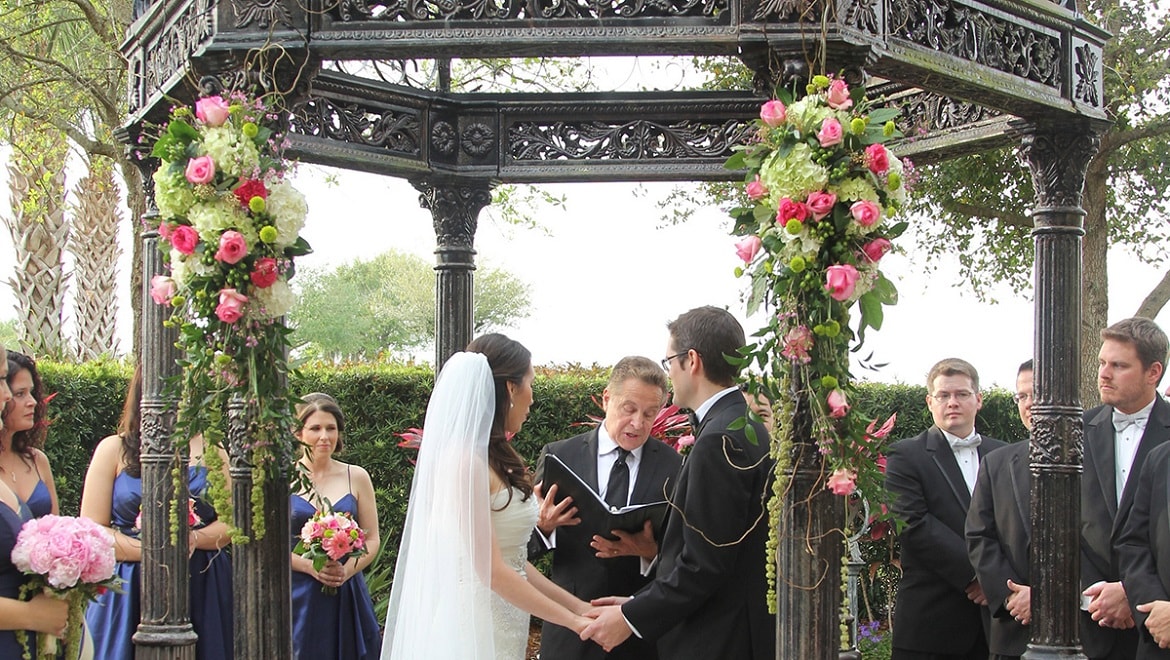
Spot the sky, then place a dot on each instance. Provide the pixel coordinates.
(606, 276)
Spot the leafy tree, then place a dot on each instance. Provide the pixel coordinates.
(982, 201)
(387, 305)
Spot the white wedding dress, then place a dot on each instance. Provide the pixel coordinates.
(513, 525)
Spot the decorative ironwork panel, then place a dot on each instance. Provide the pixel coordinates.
(406, 11)
(163, 53)
(639, 139)
(976, 35)
(397, 130)
(926, 112)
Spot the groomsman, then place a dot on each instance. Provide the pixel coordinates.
(999, 534)
(708, 597)
(618, 455)
(940, 612)
(1119, 436)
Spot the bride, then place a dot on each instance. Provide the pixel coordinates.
(463, 588)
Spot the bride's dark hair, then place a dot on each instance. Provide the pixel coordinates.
(509, 361)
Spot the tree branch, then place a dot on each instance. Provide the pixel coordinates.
(97, 22)
(975, 211)
(1156, 299)
(88, 144)
(1113, 140)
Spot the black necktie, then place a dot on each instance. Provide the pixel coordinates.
(618, 490)
(693, 419)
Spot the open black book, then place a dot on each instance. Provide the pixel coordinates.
(591, 507)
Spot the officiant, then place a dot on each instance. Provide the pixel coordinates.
(621, 462)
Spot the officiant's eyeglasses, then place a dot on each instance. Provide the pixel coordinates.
(1022, 396)
(665, 362)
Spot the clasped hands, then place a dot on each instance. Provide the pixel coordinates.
(1158, 621)
(1108, 605)
(608, 627)
(334, 574)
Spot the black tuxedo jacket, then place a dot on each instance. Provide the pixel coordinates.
(932, 613)
(1143, 539)
(999, 537)
(575, 565)
(708, 599)
(1102, 517)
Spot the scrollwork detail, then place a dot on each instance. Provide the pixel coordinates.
(626, 140)
(1058, 158)
(477, 139)
(395, 130)
(454, 209)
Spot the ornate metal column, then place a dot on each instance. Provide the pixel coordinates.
(1057, 156)
(454, 207)
(164, 630)
(261, 568)
(808, 559)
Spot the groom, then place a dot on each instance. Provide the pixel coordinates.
(708, 599)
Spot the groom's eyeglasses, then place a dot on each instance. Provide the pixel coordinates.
(666, 360)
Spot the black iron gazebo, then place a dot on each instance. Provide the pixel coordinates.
(968, 74)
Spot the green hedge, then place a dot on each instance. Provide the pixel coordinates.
(380, 400)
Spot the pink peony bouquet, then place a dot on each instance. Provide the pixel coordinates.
(331, 536)
(70, 558)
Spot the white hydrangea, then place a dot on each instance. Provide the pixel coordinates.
(172, 194)
(896, 167)
(807, 115)
(794, 175)
(855, 189)
(288, 209)
(214, 217)
(234, 154)
(179, 270)
(273, 301)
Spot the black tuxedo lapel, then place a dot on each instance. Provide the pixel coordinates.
(944, 457)
(1022, 491)
(652, 470)
(1101, 436)
(586, 460)
(1157, 431)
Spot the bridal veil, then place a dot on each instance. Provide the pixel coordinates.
(440, 604)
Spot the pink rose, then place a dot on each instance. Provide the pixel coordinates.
(877, 158)
(164, 230)
(266, 273)
(838, 405)
(200, 170)
(685, 441)
(876, 249)
(790, 210)
(184, 238)
(821, 204)
(840, 280)
(162, 289)
(756, 190)
(747, 248)
(838, 95)
(773, 113)
(231, 305)
(866, 213)
(232, 247)
(797, 343)
(830, 133)
(842, 482)
(212, 110)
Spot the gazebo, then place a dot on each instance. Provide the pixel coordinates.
(969, 75)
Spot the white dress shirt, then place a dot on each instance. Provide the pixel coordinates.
(967, 457)
(1125, 448)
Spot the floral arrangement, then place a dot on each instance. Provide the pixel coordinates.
(330, 536)
(670, 426)
(232, 224)
(69, 558)
(193, 519)
(822, 192)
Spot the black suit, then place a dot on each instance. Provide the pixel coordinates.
(999, 537)
(1143, 541)
(1102, 517)
(932, 614)
(708, 599)
(575, 565)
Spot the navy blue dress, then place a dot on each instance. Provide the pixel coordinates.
(39, 503)
(11, 578)
(113, 617)
(331, 627)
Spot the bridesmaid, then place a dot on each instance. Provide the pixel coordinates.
(340, 626)
(25, 467)
(113, 497)
(41, 614)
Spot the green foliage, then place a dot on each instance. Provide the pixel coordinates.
(382, 399)
(386, 306)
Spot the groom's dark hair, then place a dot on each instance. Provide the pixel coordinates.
(714, 334)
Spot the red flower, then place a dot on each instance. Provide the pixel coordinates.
(249, 189)
(266, 273)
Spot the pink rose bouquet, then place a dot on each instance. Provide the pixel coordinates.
(330, 536)
(229, 234)
(70, 558)
(821, 194)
